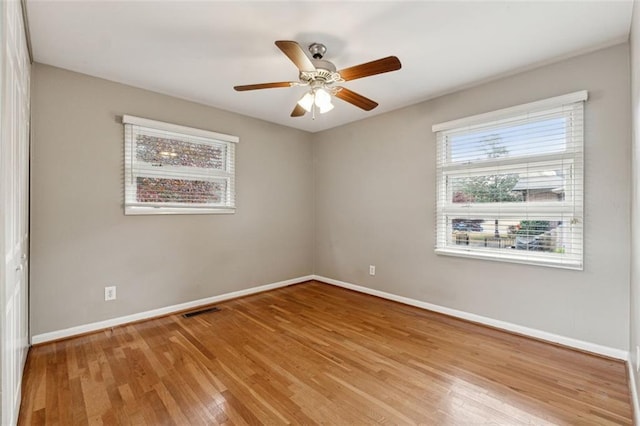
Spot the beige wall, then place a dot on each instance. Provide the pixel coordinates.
(635, 197)
(375, 204)
(369, 184)
(82, 242)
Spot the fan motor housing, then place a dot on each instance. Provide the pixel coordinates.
(325, 72)
(322, 65)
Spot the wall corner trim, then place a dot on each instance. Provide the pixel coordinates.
(531, 332)
(101, 325)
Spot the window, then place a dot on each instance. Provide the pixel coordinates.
(172, 169)
(510, 184)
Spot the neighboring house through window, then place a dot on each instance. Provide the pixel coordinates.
(171, 169)
(510, 184)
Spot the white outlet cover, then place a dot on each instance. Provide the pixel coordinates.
(110, 293)
(372, 269)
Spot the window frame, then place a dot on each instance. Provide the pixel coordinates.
(134, 126)
(571, 105)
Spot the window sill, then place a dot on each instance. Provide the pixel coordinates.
(527, 259)
(138, 210)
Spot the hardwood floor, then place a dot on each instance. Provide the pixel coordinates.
(315, 353)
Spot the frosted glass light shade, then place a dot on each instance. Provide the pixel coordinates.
(322, 98)
(306, 101)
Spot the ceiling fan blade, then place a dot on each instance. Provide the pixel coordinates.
(263, 86)
(298, 111)
(390, 63)
(296, 54)
(356, 99)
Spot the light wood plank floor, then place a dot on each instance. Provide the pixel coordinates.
(314, 353)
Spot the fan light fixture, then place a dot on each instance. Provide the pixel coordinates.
(323, 80)
(318, 97)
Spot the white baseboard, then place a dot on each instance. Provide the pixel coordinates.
(101, 325)
(634, 392)
(532, 332)
(539, 334)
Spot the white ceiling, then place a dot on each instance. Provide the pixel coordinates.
(200, 50)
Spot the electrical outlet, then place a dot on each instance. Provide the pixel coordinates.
(110, 293)
(372, 269)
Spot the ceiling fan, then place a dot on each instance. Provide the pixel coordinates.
(323, 80)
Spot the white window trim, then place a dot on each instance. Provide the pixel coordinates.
(549, 103)
(530, 258)
(132, 208)
(170, 127)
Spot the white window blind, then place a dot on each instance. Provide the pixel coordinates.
(171, 169)
(510, 184)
